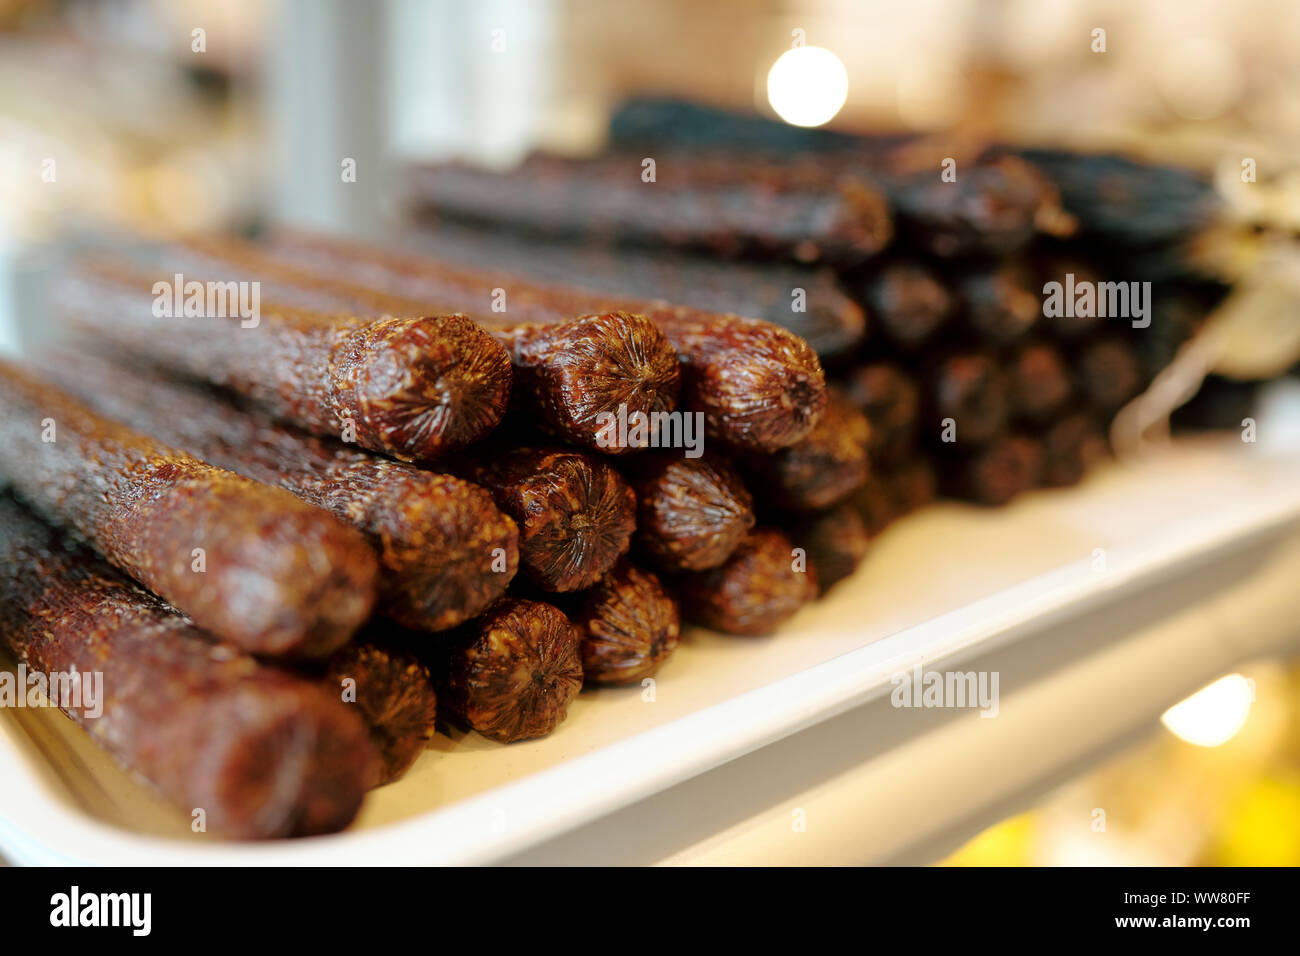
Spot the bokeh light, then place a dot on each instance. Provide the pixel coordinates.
(807, 86)
(1213, 715)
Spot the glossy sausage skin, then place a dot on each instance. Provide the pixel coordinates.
(691, 512)
(760, 586)
(628, 626)
(822, 468)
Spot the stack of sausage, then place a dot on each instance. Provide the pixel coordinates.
(919, 269)
(459, 476)
(290, 538)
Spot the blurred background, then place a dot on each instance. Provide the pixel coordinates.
(188, 115)
(164, 117)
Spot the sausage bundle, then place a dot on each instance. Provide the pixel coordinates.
(445, 551)
(408, 425)
(757, 385)
(251, 563)
(570, 367)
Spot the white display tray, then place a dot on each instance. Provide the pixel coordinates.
(946, 581)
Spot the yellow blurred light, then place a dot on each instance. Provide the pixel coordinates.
(1213, 715)
(1262, 826)
(1009, 843)
(807, 86)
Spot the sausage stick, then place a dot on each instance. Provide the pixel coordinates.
(836, 541)
(726, 206)
(414, 388)
(995, 205)
(965, 400)
(627, 625)
(393, 691)
(445, 549)
(511, 674)
(808, 301)
(575, 513)
(568, 369)
(820, 469)
(759, 587)
(758, 385)
(993, 475)
(691, 512)
(248, 562)
(891, 400)
(261, 752)
(907, 300)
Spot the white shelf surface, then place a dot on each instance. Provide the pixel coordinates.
(1201, 552)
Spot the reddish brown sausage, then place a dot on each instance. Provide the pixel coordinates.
(414, 388)
(760, 586)
(808, 301)
(993, 475)
(275, 575)
(393, 691)
(890, 399)
(575, 513)
(691, 512)
(627, 625)
(907, 300)
(758, 385)
(836, 541)
(820, 469)
(261, 752)
(445, 549)
(719, 204)
(511, 674)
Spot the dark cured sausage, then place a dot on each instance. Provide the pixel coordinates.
(726, 205)
(628, 626)
(393, 691)
(808, 301)
(820, 469)
(759, 587)
(691, 512)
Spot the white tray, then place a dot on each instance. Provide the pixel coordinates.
(946, 581)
